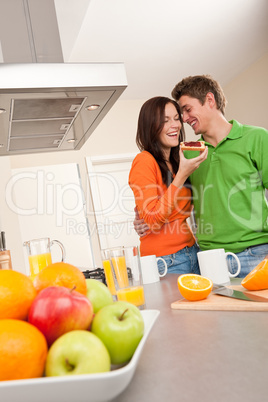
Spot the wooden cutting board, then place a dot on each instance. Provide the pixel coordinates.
(216, 302)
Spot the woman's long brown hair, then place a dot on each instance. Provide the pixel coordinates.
(150, 124)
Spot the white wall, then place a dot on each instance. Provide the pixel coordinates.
(247, 95)
(9, 222)
(247, 102)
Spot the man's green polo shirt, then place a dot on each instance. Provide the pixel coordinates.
(231, 210)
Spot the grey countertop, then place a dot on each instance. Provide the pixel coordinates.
(200, 355)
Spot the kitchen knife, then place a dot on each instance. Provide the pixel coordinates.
(3, 239)
(237, 294)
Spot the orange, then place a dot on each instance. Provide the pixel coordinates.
(17, 293)
(61, 274)
(257, 279)
(194, 287)
(23, 350)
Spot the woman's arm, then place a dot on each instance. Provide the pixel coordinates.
(187, 166)
(154, 202)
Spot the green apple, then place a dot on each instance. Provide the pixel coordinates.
(77, 352)
(98, 294)
(120, 326)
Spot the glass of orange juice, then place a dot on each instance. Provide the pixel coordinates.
(107, 266)
(39, 254)
(123, 274)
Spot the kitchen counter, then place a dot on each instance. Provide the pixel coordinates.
(200, 355)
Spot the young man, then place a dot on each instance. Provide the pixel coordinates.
(228, 188)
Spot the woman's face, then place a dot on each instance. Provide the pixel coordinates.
(169, 136)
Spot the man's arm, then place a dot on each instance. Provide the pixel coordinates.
(140, 226)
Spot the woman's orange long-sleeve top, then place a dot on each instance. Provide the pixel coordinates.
(164, 209)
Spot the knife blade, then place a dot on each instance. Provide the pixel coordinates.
(237, 294)
(3, 238)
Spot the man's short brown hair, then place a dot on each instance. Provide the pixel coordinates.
(197, 87)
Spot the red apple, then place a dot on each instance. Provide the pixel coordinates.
(57, 310)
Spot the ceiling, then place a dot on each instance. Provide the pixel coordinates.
(161, 42)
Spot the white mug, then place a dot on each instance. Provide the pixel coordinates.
(149, 269)
(213, 264)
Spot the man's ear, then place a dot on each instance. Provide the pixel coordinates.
(210, 99)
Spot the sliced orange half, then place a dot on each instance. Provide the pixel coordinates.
(257, 279)
(194, 287)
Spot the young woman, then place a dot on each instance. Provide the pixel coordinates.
(158, 179)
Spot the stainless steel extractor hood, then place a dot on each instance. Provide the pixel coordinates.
(45, 103)
(47, 107)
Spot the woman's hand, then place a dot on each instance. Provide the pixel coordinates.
(188, 166)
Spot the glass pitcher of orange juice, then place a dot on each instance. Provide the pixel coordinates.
(39, 254)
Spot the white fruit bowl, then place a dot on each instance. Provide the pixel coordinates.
(83, 388)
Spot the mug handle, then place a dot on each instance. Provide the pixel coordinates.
(63, 253)
(238, 264)
(165, 271)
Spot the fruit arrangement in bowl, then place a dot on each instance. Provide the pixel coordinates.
(64, 325)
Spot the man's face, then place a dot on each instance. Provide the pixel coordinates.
(194, 113)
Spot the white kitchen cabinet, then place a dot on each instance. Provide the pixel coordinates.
(49, 202)
(113, 200)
